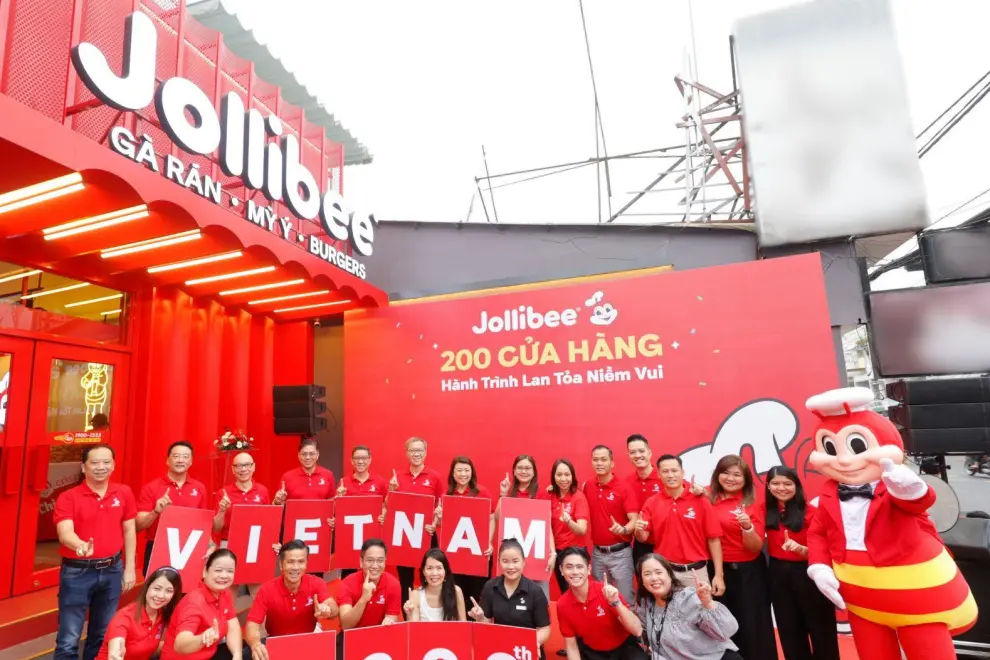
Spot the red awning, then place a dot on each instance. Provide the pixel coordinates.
(34, 150)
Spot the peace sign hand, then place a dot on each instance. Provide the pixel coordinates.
(476, 612)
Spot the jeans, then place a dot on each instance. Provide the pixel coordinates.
(79, 590)
(619, 566)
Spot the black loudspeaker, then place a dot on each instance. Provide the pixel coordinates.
(957, 254)
(299, 409)
(969, 543)
(943, 415)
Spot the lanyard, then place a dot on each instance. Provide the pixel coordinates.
(658, 631)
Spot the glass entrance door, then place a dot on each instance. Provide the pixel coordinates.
(77, 399)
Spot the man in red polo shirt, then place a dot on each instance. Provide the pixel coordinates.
(645, 482)
(309, 481)
(682, 526)
(370, 597)
(594, 618)
(360, 482)
(419, 480)
(95, 524)
(291, 604)
(176, 488)
(613, 508)
(244, 491)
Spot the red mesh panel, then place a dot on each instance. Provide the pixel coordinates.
(95, 123)
(103, 26)
(38, 44)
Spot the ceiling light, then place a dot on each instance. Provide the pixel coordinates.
(326, 304)
(40, 192)
(195, 262)
(261, 287)
(96, 222)
(152, 244)
(71, 287)
(230, 276)
(112, 312)
(292, 297)
(10, 277)
(93, 300)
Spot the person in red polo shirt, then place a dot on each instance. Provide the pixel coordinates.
(645, 482)
(360, 482)
(136, 631)
(594, 618)
(175, 488)
(95, 525)
(614, 510)
(462, 481)
(290, 604)
(569, 514)
(244, 491)
(525, 484)
(371, 597)
(681, 524)
(204, 625)
(419, 480)
(309, 481)
(747, 593)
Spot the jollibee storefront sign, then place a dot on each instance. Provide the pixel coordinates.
(189, 118)
(440, 641)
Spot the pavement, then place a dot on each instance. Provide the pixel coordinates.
(973, 491)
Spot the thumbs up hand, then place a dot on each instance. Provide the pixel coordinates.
(341, 489)
(901, 481)
(224, 501)
(280, 496)
(211, 635)
(476, 612)
(503, 488)
(163, 502)
(610, 592)
(642, 524)
(393, 483)
(616, 528)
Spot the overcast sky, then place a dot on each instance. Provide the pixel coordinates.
(426, 84)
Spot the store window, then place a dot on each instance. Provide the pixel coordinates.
(4, 386)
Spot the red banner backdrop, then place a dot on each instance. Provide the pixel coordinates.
(405, 528)
(355, 521)
(306, 520)
(253, 532)
(464, 533)
(321, 645)
(704, 363)
(527, 521)
(182, 539)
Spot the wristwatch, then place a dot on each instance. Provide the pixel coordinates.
(615, 604)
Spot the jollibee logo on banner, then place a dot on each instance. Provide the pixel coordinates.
(704, 363)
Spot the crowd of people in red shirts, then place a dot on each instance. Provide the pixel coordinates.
(675, 571)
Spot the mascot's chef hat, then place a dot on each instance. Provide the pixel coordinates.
(849, 406)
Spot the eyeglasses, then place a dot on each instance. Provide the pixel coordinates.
(309, 454)
(416, 452)
(361, 459)
(243, 466)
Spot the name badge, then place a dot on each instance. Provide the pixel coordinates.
(521, 607)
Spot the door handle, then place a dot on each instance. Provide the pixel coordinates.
(10, 469)
(39, 470)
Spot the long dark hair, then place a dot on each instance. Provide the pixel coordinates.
(794, 508)
(554, 488)
(448, 590)
(534, 485)
(174, 579)
(731, 461)
(472, 486)
(642, 595)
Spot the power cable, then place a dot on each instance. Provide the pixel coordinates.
(599, 125)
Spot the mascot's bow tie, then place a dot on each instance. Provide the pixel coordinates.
(847, 492)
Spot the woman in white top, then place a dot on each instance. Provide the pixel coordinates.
(439, 599)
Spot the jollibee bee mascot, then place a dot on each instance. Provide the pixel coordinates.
(872, 549)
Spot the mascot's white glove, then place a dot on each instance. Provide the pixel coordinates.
(824, 578)
(901, 481)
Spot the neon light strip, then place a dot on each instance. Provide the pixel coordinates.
(10, 277)
(230, 276)
(40, 192)
(95, 218)
(111, 312)
(262, 287)
(52, 234)
(151, 244)
(94, 300)
(196, 262)
(71, 287)
(55, 194)
(292, 297)
(328, 304)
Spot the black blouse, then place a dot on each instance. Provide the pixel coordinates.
(527, 607)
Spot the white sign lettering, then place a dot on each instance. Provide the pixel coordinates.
(359, 522)
(179, 556)
(534, 540)
(464, 536)
(413, 530)
(305, 531)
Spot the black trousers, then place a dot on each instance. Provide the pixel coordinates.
(561, 582)
(639, 550)
(148, 547)
(472, 585)
(747, 596)
(628, 650)
(805, 618)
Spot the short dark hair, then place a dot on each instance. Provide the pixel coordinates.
(636, 437)
(373, 543)
(359, 448)
(669, 457)
(309, 441)
(511, 544)
(220, 553)
(294, 544)
(180, 443)
(99, 422)
(91, 448)
(574, 550)
(600, 447)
